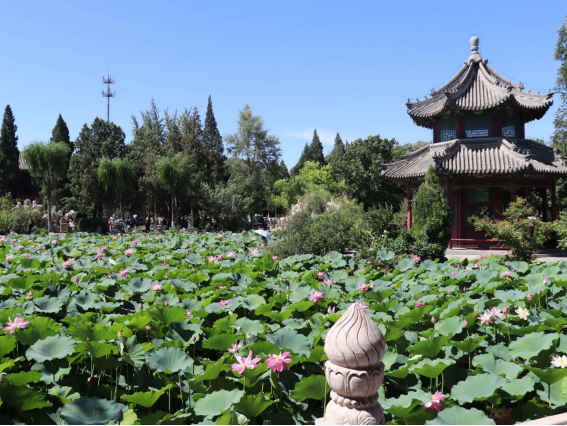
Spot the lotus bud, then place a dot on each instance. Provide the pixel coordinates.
(379, 263)
(148, 327)
(449, 291)
(442, 294)
(529, 296)
(545, 281)
(476, 309)
(538, 292)
(433, 320)
(505, 310)
(139, 306)
(89, 381)
(120, 416)
(248, 336)
(30, 294)
(385, 271)
(465, 323)
(165, 303)
(119, 334)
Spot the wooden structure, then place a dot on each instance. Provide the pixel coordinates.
(479, 148)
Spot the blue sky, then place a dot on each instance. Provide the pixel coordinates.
(345, 67)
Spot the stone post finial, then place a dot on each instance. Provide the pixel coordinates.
(475, 56)
(355, 347)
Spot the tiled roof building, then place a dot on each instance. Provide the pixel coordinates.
(479, 147)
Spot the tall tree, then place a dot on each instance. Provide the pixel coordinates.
(9, 155)
(301, 162)
(60, 133)
(254, 152)
(50, 160)
(559, 138)
(316, 150)
(337, 152)
(174, 173)
(100, 140)
(116, 175)
(361, 168)
(212, 140)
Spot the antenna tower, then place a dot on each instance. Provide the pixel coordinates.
(108, 94)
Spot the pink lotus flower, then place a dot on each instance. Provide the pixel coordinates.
(191, 243)
(234, 348)
(331, 310)
(417, 259)
(26, 256)
(66, 264)
(30, 294)
(328, 282)
(188, 313)
(9, 257)
(2, 240)
(419, 304)
(113, 238)
(76, 279)
(495, 312)
(385, 271)
(148, 327)
(278, 362)
(435, 401)
(320, 275)
(363, 306)
(433, 320)
(13, 240)
(466, 323)
(222, 287)
(477, 265)
(219, 257)
(53, 241)
(99, 255)
(505, 310)
(316, 296)
(156, 287)
(485, 318)
(274, 258)
(363, 287)
(40, 245)
(230, 255)
(453, 273)
(545, 281)
(529, 296)
(14, 325)
(254, 253)
(244, 363)
(21, 247)
(165, 264)
(213, 259)
(124, 273)
(128, 252)
(224, 303)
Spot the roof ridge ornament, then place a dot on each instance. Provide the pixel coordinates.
(475, 56)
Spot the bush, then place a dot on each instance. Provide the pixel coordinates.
(102, 222)
(84, 225)
(347, 226)
(521, 229)
(7, 223)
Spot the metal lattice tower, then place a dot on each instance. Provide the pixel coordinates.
(108, 94)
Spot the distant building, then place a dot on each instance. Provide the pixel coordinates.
(30, 185)
(479, 148)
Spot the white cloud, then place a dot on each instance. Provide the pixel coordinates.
(325, 136)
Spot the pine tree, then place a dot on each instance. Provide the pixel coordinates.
(305, 156)
(60, 133)
(316, 150)
(9, 155)
(212, 141)
(337, 152)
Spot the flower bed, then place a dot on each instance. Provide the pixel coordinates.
(181, 329)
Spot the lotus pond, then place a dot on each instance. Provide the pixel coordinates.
(158, 329)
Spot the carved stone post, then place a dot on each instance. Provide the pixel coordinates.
(355, 347)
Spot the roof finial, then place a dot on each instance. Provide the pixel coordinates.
(475, 56)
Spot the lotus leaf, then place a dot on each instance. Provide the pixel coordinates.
(169, 360)
(91, 411)
(52, 347)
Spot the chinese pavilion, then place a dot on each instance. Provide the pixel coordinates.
(479, 148)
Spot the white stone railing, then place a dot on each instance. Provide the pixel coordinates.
(355, 347)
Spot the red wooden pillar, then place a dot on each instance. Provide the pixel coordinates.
(460, 127)
(409, 205)
(544, 202)
(554, 215)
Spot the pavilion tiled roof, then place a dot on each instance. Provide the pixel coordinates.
(478, 87)
(479, 156)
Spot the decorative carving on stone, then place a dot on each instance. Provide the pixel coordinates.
(355, 347)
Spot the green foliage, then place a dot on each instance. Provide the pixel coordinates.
(559, 138)
(520, 229)
(361, 169)
(100, 140)
(432, 218)
(310, 178)
(116, 175)
(9, 155)
(212, 140)
(226, 202)
(337, 153)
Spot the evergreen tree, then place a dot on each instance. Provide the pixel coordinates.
(212, 140)
(173, 144)
(432, 217)
(337, 152)
(9, 155)
(301, 162)
(60, 133)
(101, 140)
(316, 150)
